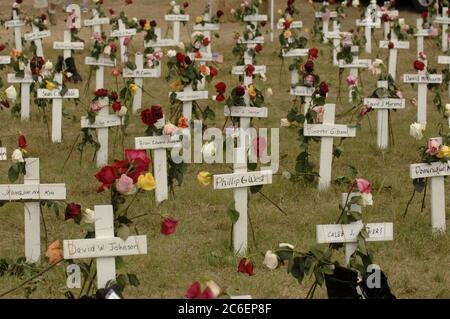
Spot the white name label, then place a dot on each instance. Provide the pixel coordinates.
(442, 20)
(327, 234)
(256, 18)
(123, 33)
(157, 142)
(14, 23)
(3, 154)
(228, 181)
(192, 96)
(140, 73)
(323, 130)
(302, 91)
(207, 27)
(385, 103)
(68, 45)
(237, 70)
(26, 79)
(32, 192)
(422, 78)
(331, 14)
(202, 56)
(56, 94)
(177, 17)
(422, 33)
(294, 25)
(160, 43)
(356, 64)
(37, 35)
(4, 59)
(245, 111)
(368, 23)
(257, 40)
(102, 121)
(429, 170)
(107, 247)
(94, 22)
(444, 59)
(100, 62)
(296, 53)
(397, 44)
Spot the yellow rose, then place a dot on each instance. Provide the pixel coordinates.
(175, 85)
(280, 12)
(444, 152)
(204, 178)
(134, 88)
(50, 85)
(146, 182)
(287, 34)
(147, 26)
(252, 91)
(199, 19)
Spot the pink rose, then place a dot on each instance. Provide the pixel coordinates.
(126, 41)
(351, 80)
(433, 147)
(124, 184)
(97, 106)
(364, 186)
(97, 36)
(309, 80)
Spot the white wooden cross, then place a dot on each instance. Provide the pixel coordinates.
(382, 106)
(103, 121)
(188, 96)
(305, 92)
(138, 75)
(422, 79)
(25, 86)
(354, 67)
(393, 53)
(123, 33)
(326, 16)
(176, 19)
(335, 36)
(105, 247)
(67, 46)
(31, 192)
(444, 59)
(421, 34)
(444, 20)
(16, 24)
(96, 22)
(327, 131)
(240, 180)
(436, 172)
(293, 54)
(57, 98)
(348, 233)
(36, 36)
(159, 146)
(371, 21)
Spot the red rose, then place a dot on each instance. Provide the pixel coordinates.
(5, 104)
(107, 175)
(263, 23)
(391, 45)
(309, 66)
(187, 60)
(250, 69)
(169, 226)
(419, 65)
(22, 142)
(116, 106)
(219, 14)
(72, 211)
(114, 96)
(386, 17)
(185, 4)
(220, 97)
(101, 93)
(213, 72)
(287, 25)
(43, 17)
(121, 167)
(246, 267)
(2, 47)
(142, 22)
(323, 89)
(240, 90)
(258, 48)
(206, 41)
(153, 23)
(113, 46)
(19, 1)
(127, 2)
(180, 57)
(152, 115)
(140, 162)
(112, 12)
(424, 14)
(220, 87)
(313, 53)
(195, 292)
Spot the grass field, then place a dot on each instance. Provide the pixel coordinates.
(416, 264)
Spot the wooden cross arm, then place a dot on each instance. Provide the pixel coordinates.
(157, 142)
(348, 233)
(102, 121)
(21, 192)
(240, 180)
(424, 170)
(245, 111)
(324, 130)
(385, 103)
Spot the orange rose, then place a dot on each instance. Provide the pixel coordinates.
(252, 91)
(183, 122)
(54, 253)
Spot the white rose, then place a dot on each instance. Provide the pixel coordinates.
(48, 66)
(282, 245)
(269, 92)
(401, 21)
(355, 3)
(181, 46)
(123, 111)
(107, 50)
(366, 199)
(215, 289)
(209, 150)
(176, 9)
(447, 110)
(416, 130)
(285, 123)
(171, 53)
(135, 20)
(377, 63)
(172, 3)
(344, 3)
(169, 129)
(263, 77)
(17, 156)
(270, 260)
(21, 66)
(88, 216)
(11, 93)
(160, 123)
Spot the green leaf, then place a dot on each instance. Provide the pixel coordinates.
(13, 174)
(123, 232)
(133, 279)
(232, 213)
